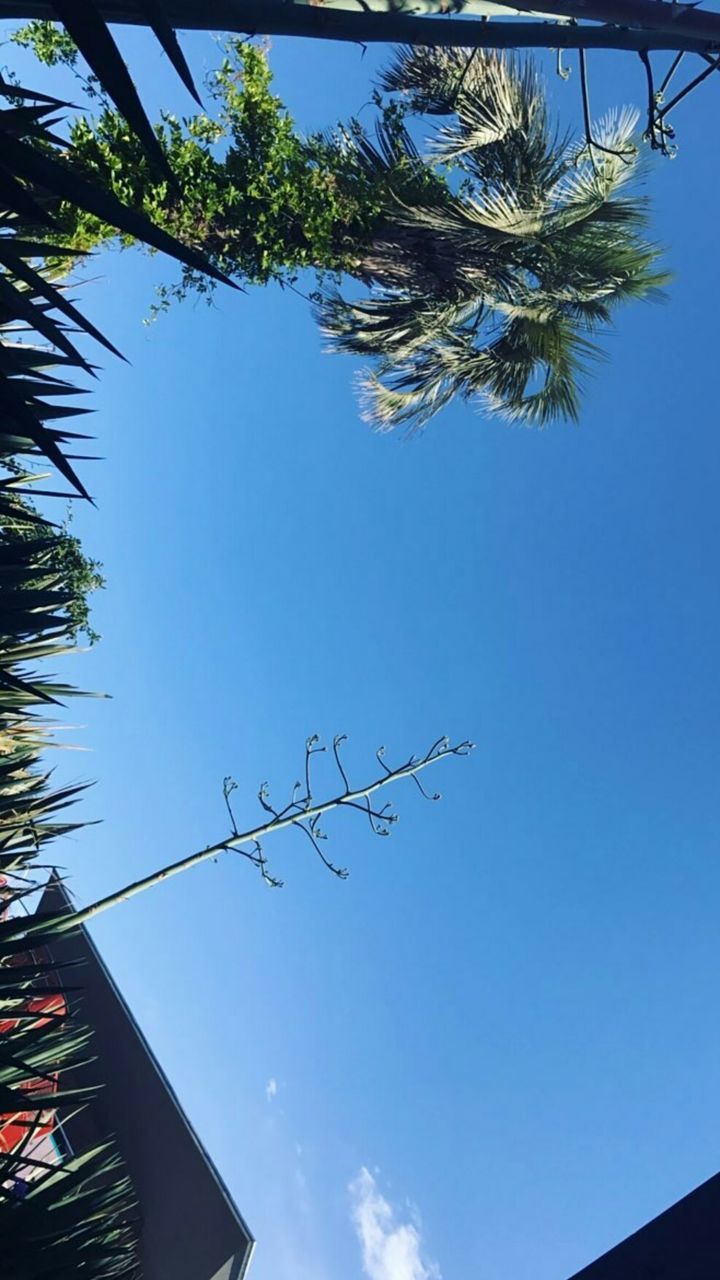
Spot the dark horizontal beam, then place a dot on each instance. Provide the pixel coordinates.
(670, 16)
(277, 17)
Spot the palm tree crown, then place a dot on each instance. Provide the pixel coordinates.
(493, 284)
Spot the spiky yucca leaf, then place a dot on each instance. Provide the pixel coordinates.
(79, 1220)
(88, 28)
(35, 177)
(76, 1220)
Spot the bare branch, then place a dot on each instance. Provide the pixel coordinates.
(298, 813)
(258, 859)
(560, 70)
(271, 881)
(713, 65)
(375, 816)
(436, 794)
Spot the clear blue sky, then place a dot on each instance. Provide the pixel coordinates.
(509, 1012)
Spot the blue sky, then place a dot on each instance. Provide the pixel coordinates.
(507, 1016)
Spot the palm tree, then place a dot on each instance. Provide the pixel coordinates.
(494, 286)
(489, 265)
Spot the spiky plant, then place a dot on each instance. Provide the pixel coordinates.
(36, 177)
(76, 1218)
(496, 289)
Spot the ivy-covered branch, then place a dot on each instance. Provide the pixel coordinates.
(260, 200)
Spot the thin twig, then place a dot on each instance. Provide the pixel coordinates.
(311, 749)
(670, 73)
(713, 65)
(341, 872)
(560, 70)
(654, 131)
(229, 785)
(592, 145)
(463, 77)
(337, 740)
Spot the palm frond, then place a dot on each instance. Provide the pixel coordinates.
(594, 174)
(496, 289)
(389, 323)
(403, 395)
(498, 97)
(428, 78)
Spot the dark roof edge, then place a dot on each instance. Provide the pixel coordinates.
(56, 883)
(701, 1188)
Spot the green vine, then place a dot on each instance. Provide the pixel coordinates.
(262, 201)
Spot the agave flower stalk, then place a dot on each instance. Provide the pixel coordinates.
(302, 812)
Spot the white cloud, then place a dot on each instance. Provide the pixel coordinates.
(271, 1089)
(391, 1250)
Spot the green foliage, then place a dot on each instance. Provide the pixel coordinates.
(65, 561)
(48, 41)
(39, 180)
(78, 1218)
(83, 575)
(75, 1219)
(262, 201)
(490, 263)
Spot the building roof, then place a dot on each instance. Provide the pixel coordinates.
(683, 1243)
(191, 1228)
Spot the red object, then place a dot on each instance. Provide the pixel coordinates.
(14, 1126)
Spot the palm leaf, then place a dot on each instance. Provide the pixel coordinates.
(494, 286)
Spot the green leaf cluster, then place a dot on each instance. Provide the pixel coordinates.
(50, 43)
(65, 562)
(262, 201)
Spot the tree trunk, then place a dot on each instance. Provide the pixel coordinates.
(628, 24)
